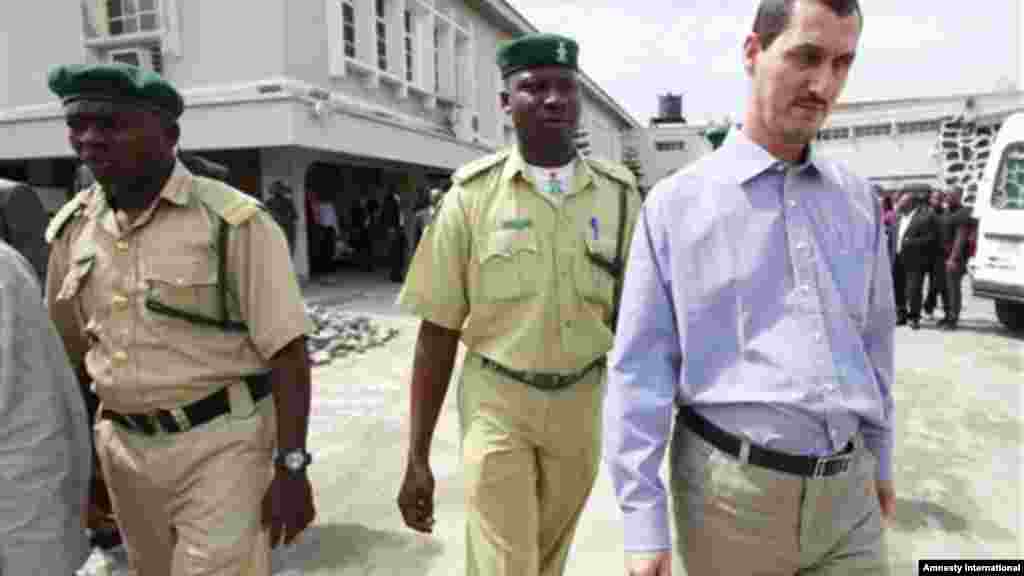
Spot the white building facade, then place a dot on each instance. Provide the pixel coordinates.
(896, 143)
(344, 98)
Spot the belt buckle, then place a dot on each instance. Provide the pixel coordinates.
(821, 466)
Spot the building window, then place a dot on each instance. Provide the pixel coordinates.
(382, 36)
(410, 56)
(146, 57)
(919, 126)
(133, 16)
(437, 59)
(670, 146)
(873, 130)
(1008, 193)
(834, 134)
(348, 27)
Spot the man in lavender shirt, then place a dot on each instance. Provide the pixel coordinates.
(758, 314)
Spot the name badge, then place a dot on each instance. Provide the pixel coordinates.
(516, 224)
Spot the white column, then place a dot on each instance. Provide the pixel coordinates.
(289, 166)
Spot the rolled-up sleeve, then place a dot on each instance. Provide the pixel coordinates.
(878, 343)
(643, 371)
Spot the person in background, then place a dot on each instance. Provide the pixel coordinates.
(282, 207)
(758, 314)
(915, 243)
(936, 272)
(45, 462)
(955, 229)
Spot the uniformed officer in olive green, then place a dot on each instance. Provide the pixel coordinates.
(177, 302)
(522, 263)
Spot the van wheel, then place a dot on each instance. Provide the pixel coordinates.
(1010, 314)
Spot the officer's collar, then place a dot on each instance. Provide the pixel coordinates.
(516, 166)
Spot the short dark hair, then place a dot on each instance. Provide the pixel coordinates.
(773, 16)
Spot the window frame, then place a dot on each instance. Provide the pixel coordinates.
(136, 16)
(1013, 147)
(349, 45)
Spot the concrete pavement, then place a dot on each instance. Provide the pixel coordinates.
(958, 455)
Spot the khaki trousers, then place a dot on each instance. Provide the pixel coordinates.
(530, 458)
(740, 519)
(190, 504)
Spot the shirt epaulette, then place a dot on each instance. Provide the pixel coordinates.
(67, 212)
(479, 166)
(612, 170)
(234, 206)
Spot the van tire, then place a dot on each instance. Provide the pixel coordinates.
(1010, 314)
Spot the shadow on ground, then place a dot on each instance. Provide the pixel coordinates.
(357, 549)
(913, 515)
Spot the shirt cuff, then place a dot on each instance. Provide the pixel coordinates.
(881, 446)
(647, 530)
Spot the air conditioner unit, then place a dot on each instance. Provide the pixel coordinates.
(139, 57)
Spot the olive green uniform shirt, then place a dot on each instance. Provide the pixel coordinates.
(508, 267)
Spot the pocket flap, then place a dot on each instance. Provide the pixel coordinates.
(75, 277)
(508, 242)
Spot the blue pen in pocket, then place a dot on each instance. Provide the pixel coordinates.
(593, 227)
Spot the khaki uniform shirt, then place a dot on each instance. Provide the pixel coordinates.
(508, 267)
(103, 268)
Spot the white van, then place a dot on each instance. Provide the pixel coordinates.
(998, 267)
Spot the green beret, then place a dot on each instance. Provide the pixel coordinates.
(533, 50)
(116, 83)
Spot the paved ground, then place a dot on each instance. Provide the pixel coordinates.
(958, 456)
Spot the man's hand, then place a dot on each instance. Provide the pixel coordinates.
(288, 506)
(886, 498)
(649, 564)
(416, 497)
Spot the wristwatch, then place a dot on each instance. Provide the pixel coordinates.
(293, 460)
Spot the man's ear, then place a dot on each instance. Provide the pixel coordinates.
(751, 50)
(503, 101)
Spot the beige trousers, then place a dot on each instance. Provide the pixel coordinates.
(190, 504)
(530, 458)
(743, 520)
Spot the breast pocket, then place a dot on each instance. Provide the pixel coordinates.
(509, 265)
(596, 272)
(183, 287)
(76, 277)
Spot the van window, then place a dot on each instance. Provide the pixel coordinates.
(1008, 193)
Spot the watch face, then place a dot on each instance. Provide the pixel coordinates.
(294, 460)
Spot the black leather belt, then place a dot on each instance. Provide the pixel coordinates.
(542, 380)
(187, 417)
(809, 466)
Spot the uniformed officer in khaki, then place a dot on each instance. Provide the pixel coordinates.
(522, 262)
(176, 299)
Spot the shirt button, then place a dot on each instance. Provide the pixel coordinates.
(792, 203)
(817, 337)
(119, 301)
(121, 245)
(120, 356)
